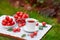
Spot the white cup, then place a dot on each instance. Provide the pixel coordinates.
(31, 24)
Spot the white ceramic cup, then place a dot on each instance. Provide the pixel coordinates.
(31, 24)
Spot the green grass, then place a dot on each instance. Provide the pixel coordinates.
(53, 34)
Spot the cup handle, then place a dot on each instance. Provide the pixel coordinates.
(37, 23)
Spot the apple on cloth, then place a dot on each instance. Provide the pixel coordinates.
(33, 34)
(16, 29)
(43, 24)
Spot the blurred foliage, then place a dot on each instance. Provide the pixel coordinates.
(53, 34)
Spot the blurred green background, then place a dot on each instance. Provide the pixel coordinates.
(53, 34)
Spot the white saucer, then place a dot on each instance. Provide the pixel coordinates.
(36, 29)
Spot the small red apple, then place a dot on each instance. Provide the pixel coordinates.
(12, 23)
(20, 25)
(4, 20)
(23, 21)
(18, 21)
(7, 17)
(25, 16)
(15, 16)
(35, 33)
(44, 23)
(32, 35)
(10, 20)
(18, 29)
(17, 13)
(19, 17)
(21, 13)
(4, 23)
(14, 30)
(23, 24)
(8, 24)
